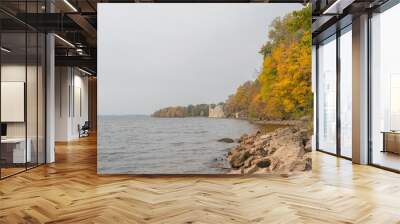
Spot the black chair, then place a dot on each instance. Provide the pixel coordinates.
(84, 130)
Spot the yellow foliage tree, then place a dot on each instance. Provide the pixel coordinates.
(283, 88)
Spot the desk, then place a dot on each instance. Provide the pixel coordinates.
(391, 141)
(14, 150)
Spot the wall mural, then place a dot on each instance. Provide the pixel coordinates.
(204, 89)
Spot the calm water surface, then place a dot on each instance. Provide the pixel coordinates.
(146, 145)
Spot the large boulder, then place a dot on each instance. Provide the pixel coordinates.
(263, 163)
(238, 158)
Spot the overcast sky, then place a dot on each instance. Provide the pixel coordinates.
(157, 55)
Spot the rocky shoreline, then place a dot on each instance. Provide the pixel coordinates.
(283, 151)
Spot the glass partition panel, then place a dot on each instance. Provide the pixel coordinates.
(327, 96)
(14, 153)
(22, 88)
(346, 93)
(385, 89)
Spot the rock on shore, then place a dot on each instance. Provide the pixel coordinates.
(282, 151)
(226, 140)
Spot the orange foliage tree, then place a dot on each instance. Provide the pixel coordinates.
(283, 88)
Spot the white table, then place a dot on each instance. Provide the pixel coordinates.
(19, 154)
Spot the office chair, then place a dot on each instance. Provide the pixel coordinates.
(84, 130)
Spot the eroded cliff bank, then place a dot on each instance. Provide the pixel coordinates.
(283, 151)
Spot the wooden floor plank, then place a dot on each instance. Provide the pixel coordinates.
(70, 191)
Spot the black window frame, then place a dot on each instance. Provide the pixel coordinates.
(333, 33)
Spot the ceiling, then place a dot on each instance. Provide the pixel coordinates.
(74, 22)
(332, 15)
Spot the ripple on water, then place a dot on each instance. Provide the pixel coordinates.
(145, 145)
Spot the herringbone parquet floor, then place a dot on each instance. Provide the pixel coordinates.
(69, 191)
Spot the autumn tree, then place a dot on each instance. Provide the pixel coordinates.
(241, 100)
(286, 76)
(283, 88)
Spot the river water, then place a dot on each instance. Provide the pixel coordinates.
(137, 144)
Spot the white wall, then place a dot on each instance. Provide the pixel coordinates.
(81, 89)
(62, 81)
(12, 73)
(70, 83)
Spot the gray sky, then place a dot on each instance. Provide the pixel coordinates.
(157, 55)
